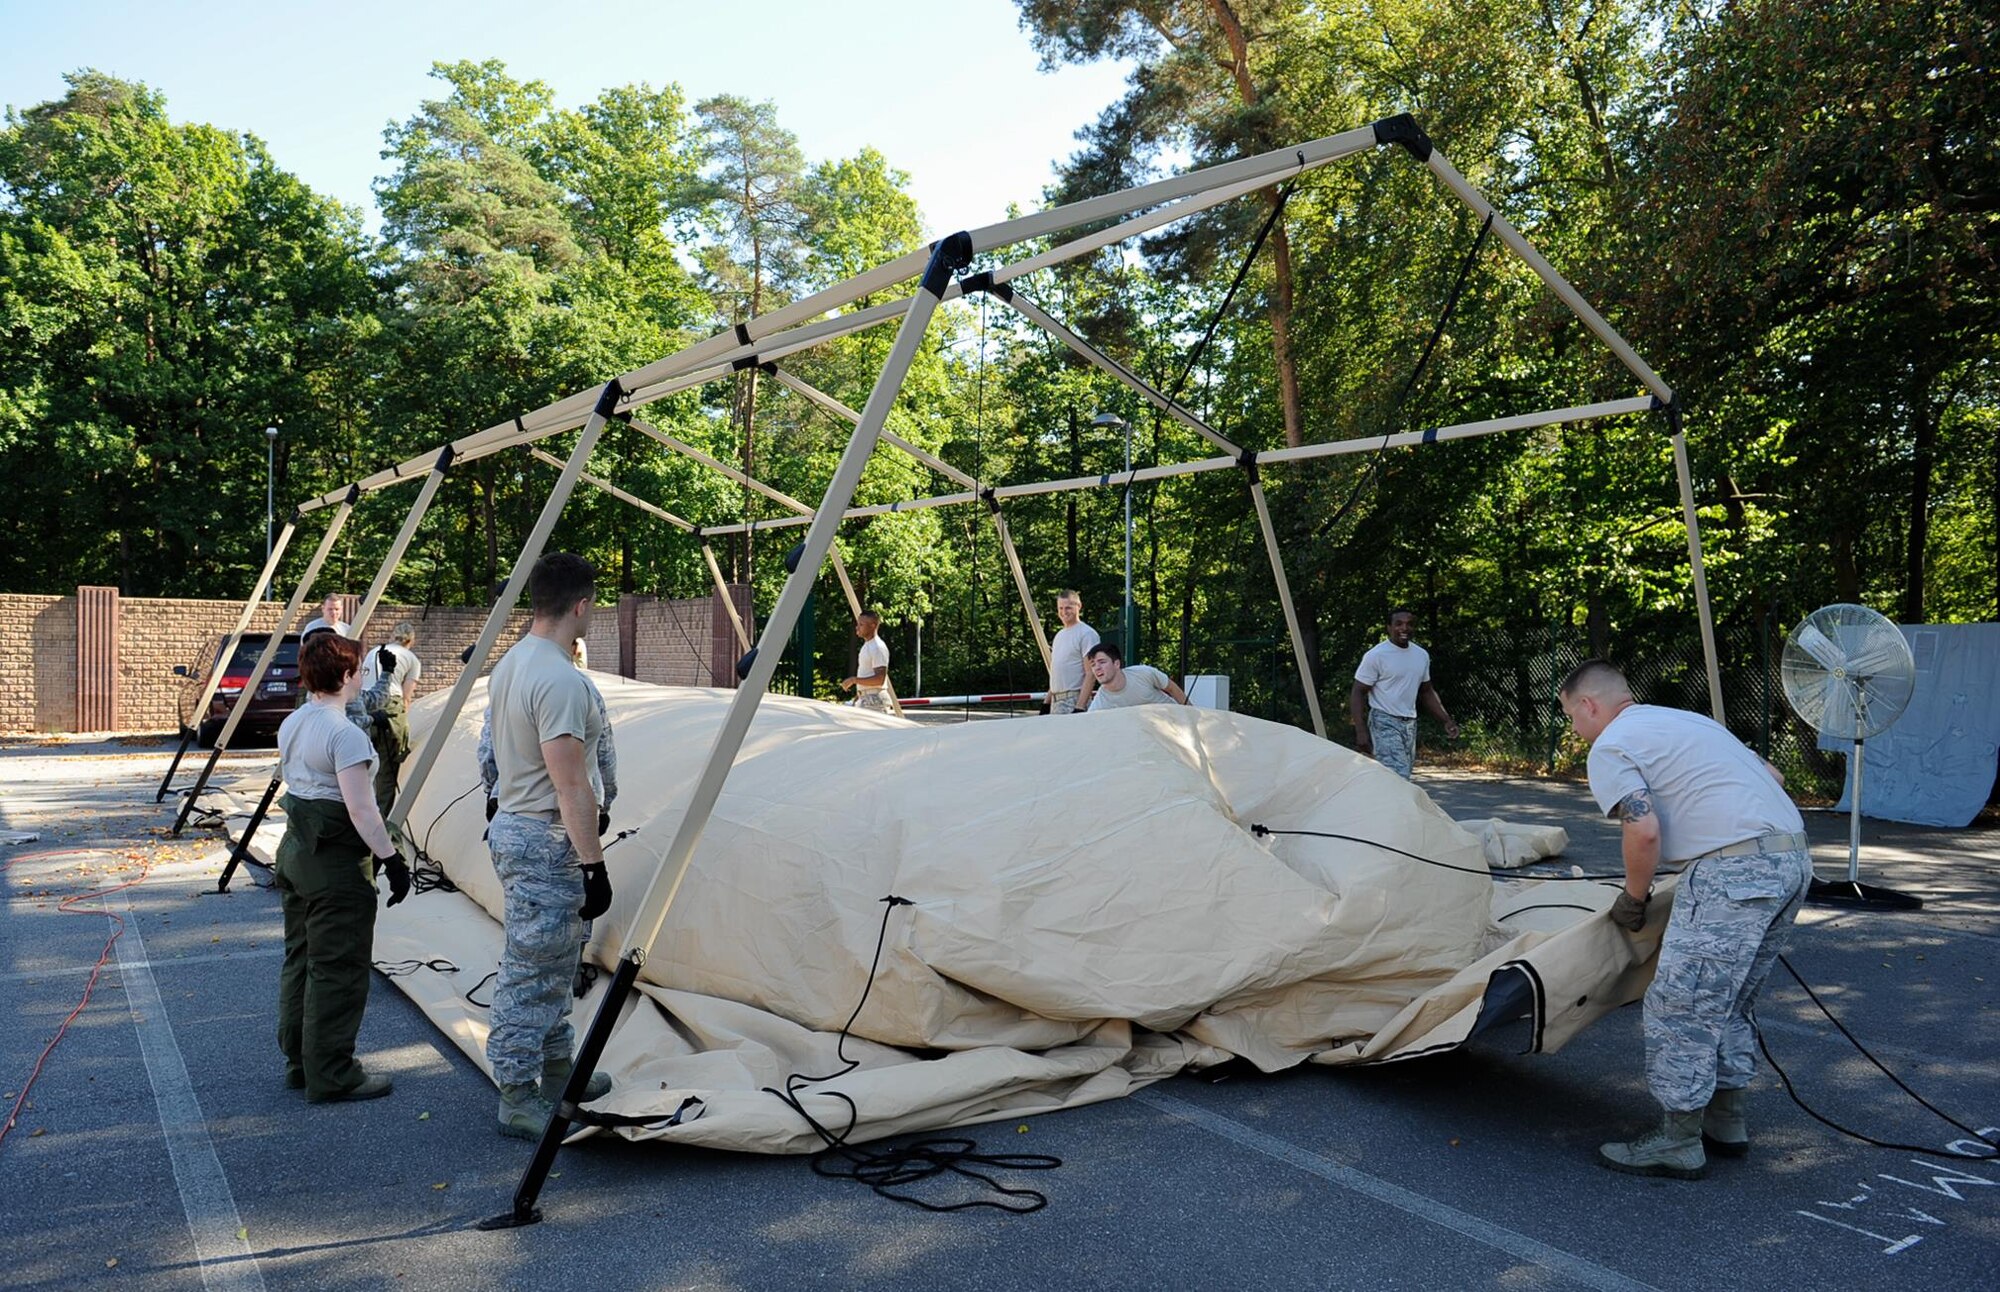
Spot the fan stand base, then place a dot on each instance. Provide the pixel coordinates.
(1849, 892)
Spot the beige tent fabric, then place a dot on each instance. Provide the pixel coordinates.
(1090, 912)
(1509, 845)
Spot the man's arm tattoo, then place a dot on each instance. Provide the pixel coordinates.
(1637, 804)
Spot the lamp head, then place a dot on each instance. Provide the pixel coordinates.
(1110, 421)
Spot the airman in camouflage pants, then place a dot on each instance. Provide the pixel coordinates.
(1395, 741)
(543, 890)
(538, 874)
(1730, 920)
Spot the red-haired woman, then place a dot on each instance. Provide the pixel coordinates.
(335, 845)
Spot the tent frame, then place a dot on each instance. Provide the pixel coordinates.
(762, 340)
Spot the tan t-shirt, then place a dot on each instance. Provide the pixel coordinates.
(536, 695)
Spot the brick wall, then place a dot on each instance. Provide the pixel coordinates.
(673, 642)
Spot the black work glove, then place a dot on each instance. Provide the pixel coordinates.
(603, 822)
(380, 719)
(492, 807)
(385, 659)
(596, 891)
(399, 876)
(1629, 912)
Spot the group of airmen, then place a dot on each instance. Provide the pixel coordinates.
(1690, 797)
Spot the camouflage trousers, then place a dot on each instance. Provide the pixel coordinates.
(532, 994)
(1395, 741)
(1730, 921)
(1064, 701)
(875, 699)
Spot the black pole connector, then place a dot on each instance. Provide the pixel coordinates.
(607, 402)
(747, 361)
(1403, 129)
(298, 515)
(769, 368)
(524, 1211)
(983, 282)
(744, 665)
(1247, 459)
(519, 425)
(792, 559)
(445, 457)
(992, 501)
(353, 494)
(948, 256)
(743, 334)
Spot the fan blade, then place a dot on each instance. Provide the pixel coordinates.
(1817, 644)
(1837, 717)
(1875, 653)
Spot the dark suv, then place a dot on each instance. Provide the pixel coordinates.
(276, 697)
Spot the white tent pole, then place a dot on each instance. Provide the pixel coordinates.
(838, 409)
(229, 643)
(1035, 314)
(1466, 430)
(685, 526)
(1471, 196)
(722, 591)
(651, 915)
(951, 254)
(425, 756)
(783, 499)
(394, 558)
(950, 472)
(1306, 682)
(1020, 579)
(270, 652)
(846, 584)
(1707, 618)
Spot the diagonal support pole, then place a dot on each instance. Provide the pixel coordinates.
(722, 591)
(951, 255)
(229, 648)
(394, 559)
(426, 755)
(1306, 683)
(1685, 476)
(256, 678)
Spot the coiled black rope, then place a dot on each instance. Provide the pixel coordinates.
(888, 1170)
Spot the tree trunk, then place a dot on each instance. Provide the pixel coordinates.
(1281, 246)
(1921, 466)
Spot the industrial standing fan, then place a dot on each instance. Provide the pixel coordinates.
(1848, 674)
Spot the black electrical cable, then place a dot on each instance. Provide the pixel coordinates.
(887, 1169)
(403, 968)
(1451, 303)
(1824, 1120)
(1498, 875)
(1242, 271)
(1546, 906)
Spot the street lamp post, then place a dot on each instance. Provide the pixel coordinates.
(270, 486)
(1114, 421)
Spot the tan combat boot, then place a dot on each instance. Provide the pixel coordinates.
(1723, 1132)
(1673, 1149)
(556, 1074)
(524, 1114)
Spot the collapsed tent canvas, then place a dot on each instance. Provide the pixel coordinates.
(1089, 912)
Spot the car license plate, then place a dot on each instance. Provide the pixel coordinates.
(277, 688)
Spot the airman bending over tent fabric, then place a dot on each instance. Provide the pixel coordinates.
(1122, 687)
(544, 757)
(1688, 791)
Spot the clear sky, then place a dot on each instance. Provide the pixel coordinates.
(948, 90)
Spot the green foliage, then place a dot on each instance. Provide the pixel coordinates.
(1787, 207)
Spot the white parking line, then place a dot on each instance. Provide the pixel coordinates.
(171, 962)
(226, 1259)
(1572, 1267)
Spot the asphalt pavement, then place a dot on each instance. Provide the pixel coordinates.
(158, 1147)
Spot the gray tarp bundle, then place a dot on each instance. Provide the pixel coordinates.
(1090, 912)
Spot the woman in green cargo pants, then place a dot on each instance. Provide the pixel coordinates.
(335, 845)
